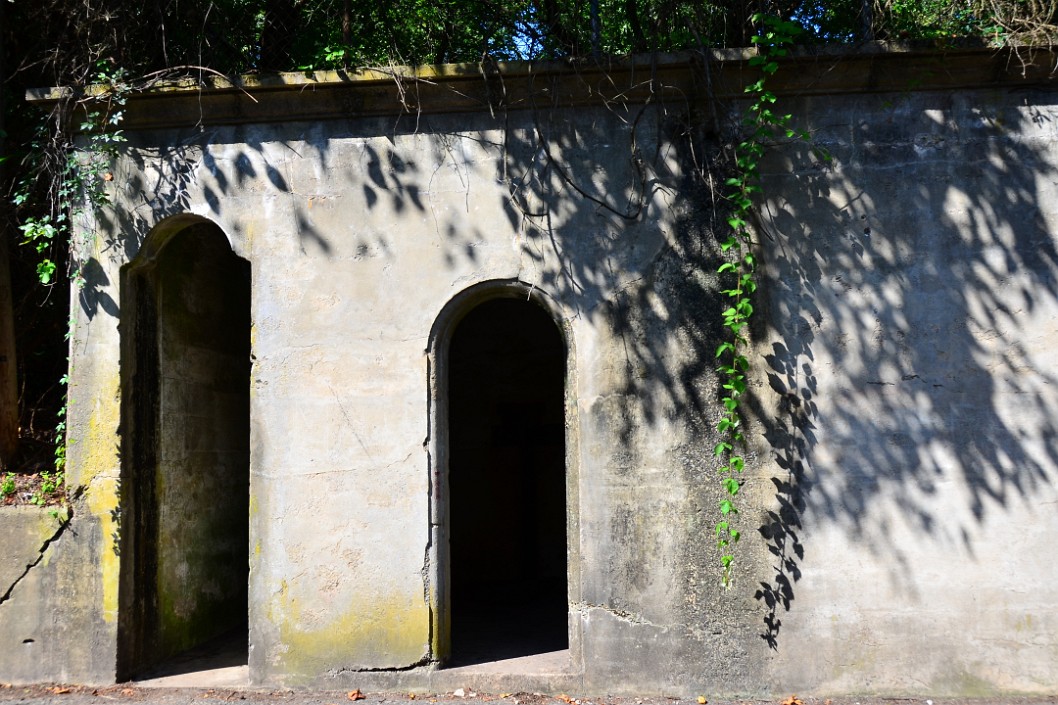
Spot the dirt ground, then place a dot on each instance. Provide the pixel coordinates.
(132, 695)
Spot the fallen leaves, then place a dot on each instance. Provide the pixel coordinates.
(702, 700)
(793, 700)
(355, 695)
(59, 690)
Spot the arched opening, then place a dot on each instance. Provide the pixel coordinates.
(506, 507)
(185, 326)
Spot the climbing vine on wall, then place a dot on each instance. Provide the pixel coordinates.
(74, 177)
(762, 126)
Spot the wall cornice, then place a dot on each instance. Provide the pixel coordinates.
(323, 95)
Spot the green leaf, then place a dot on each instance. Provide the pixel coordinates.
(45, 271)
(727, 507)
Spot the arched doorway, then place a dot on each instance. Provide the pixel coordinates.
(185, 323)
(506, 370)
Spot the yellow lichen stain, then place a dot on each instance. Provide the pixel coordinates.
(98, 449)
(97, 465)
(1023, 623)
(379, 633)
(102, 503)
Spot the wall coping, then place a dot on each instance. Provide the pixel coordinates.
(722, 74)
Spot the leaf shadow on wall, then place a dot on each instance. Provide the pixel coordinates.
(906, 285)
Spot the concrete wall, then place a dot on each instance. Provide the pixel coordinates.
(901, 461)
(913, 302)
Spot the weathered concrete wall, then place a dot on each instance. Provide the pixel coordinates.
(53, 625)
(911, 353)
(904, 522)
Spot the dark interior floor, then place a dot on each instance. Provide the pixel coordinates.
(499, 622)
(225, 651)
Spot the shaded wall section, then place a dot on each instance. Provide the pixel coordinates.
(911, 358)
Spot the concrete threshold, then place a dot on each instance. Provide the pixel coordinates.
(544, 672)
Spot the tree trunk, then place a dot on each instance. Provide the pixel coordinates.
(8, 361)
(347, 33)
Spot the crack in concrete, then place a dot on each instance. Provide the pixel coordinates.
(426, 574)
(623, 615)
(337, 672)
(43, 549)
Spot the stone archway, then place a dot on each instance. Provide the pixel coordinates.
(185, 324)
(507, 480)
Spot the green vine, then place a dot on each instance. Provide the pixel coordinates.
(75, 186)
(762, 126)
(78, 184)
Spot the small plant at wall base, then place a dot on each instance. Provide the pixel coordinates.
(738, 273)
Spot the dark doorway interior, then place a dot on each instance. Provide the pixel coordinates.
(185, 454)
(507, 483)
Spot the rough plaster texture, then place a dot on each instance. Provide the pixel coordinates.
(902, 459)
(912, 301)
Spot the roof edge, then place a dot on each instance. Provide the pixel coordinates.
(722, 74)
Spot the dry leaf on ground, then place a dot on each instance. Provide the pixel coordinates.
(793, 700)
(357, 695)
